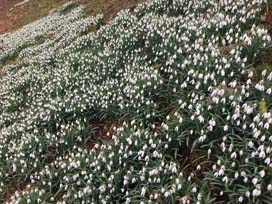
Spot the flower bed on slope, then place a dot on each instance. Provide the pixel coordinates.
(189, 81)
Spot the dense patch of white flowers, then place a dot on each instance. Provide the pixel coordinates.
(183, 77)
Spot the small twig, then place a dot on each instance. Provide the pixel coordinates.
(202, 157)
(267, 8)
(193, 162)
(184, 162)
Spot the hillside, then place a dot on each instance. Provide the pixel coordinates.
(17, 13)
(168, 102)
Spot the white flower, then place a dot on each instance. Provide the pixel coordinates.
(226, 127)
(264, 72)
(254, 181)
(240, 199)
(167, 194)
(248, 194)
(259, 86)
(269, 187)
(102, 189)
(225, 179)
(143, 191)
(262, 173)
(256, 192)
(233, 155)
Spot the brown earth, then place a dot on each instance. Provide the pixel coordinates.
(108, 7)
(5, 5)
(13, 17)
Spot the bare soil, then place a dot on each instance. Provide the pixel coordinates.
(13, 17)
(5, 6)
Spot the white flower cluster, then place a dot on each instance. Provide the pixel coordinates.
(48, 27)
(120, 166)
(189, 81)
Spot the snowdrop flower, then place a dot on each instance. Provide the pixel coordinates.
(256, 192)
(262, 173)
(254, 181)
(269, 187)
(143, 191)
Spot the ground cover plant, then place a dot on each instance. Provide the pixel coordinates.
(168, 103)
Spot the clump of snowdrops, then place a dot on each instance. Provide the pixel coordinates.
(188, 80)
